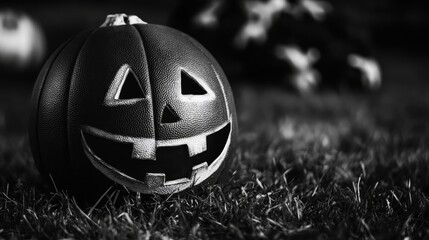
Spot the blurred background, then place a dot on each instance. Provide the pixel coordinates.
(332, 97)
(299, 46)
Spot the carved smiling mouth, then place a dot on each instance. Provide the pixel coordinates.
(157, 166)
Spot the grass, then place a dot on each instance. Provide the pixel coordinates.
(328, 166)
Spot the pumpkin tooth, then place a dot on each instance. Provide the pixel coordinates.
(198, 170)
(153, 180)
(197, 146)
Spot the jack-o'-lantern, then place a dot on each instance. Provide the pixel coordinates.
(142, 105)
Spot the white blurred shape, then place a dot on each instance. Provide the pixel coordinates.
(22, 43)
(260, 18)
(298, 58)
(371, 73)
(305, 78)
(208, 17)
(317, 9)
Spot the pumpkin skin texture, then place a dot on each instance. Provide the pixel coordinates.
(141, 105)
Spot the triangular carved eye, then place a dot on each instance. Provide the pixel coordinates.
(169, 115)
(125, 88)
(190, 86)
(130, 88)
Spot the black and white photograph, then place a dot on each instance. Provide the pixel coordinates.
(214, 119)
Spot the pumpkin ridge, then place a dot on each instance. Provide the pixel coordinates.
(91, 32)
(43, 80)
(152, 92)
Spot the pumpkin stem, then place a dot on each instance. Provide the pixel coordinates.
(120, 19)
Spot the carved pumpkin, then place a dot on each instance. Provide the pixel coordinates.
(143, 105)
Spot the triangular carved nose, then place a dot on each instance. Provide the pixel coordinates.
(169, 115)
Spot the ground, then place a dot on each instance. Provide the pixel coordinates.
(324, 166)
